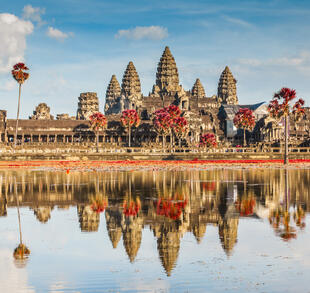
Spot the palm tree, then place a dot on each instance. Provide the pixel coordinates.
(279, 110)
(21, 251)
(20, 76)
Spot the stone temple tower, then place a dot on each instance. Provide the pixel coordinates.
(227, 90)
(131, 96)
(167, 76)
(198, 91)
(112, 96)
(88, 104)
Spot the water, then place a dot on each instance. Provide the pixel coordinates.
(242, 230)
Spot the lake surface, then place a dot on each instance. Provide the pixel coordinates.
(220, 230)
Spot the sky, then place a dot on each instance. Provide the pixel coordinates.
(74, 46)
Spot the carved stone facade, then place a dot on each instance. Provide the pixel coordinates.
(88, 104)
(227, 89)
(204, 113)
(112, 96)
(198, 91)
(42, 112)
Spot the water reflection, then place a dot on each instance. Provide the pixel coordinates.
(169, 203)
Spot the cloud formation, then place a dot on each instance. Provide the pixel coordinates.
(144, 32)
(33, 14)
(13, 32)
(57, 34)
(238, 21)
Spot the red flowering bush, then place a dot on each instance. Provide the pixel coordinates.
(245, 120)
(180, 126)
(208, 140)
(129, 119)
(162, 122)
(132, 207)
(98, 121)
(99, 204)
(174, 111)
(19, 73)
(245, 206)
(171, 208)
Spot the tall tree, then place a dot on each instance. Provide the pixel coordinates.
(180, 128)
(129, 119)
(281, 107)
(20, 76)
(162, 123)
(98, 122)
(245, 120)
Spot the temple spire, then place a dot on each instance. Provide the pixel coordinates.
(198, 91)
(113, 92)
(227, 90)
(167, 76)
(131, 81)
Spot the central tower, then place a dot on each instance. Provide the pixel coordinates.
(167, 76)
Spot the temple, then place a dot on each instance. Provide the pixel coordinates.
(205, 113)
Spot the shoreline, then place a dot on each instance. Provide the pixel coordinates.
(136, 165)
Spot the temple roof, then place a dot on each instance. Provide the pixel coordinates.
(131, 81)
(167, 73)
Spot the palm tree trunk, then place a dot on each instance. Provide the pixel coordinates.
(97, 141)
(129, 136)
(17, 118)
(244, 138)
(286, 140)
(18, 213)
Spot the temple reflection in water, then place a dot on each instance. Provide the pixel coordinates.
(170, 203)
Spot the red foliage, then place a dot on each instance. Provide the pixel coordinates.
(169, 118)
(162, 121)
(132, 207)
(277, 110)
(244, 119)
(174, 111)
(98, 121)
(130, 118)
(245, 207)
(209, 186)
(170, 208)
(98, 206)
(208, 140)
(19, 73)
(179, 126)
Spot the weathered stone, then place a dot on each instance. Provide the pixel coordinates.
(42, 112)
(88, 104)
(112, 96)
(227, 90)
(198, 91)
(167, 76)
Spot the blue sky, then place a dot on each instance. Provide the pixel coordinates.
(74, 46)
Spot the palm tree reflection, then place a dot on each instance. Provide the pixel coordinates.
(21, 252)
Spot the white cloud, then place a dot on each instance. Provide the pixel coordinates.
(13, 32)
(299, 61)
(33, 13)
(238, 21)
(8, 86)
(144, 32)
(57, 34)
